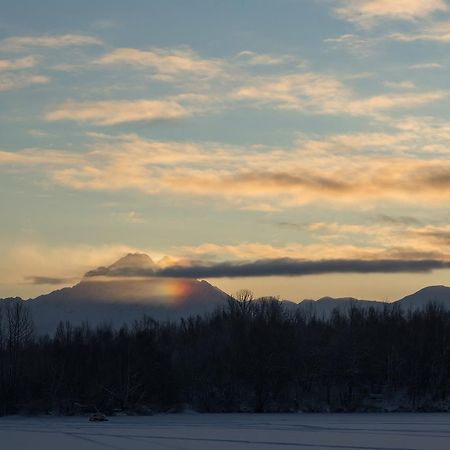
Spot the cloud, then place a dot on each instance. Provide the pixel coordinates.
(19, 63)
(38, 133)
(367, 12)
(379, 103)
(338, 169)
(398, 220)
(323, 94)
(298, 267)
(296, 92)
(37, 157)
(427, 66)
(134, 218)
(167, 63)
(39, 280)
(294, 250)
(9, 82)
(435, 32)
(47, 41)
(358, 45)
(400, 84)
(437, 235)
(112, 112)
(260, 59)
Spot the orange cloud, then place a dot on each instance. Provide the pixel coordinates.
(324, 94)
(247, 177)
(110, 112)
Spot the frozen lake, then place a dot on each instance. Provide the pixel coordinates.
(230, 431)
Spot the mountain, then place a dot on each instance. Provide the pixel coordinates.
(130, 287)
(323, 307)
(123, 292)
(420, 299)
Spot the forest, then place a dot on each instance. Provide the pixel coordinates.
(248, 356)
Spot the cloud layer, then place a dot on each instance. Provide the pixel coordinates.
(339, 169)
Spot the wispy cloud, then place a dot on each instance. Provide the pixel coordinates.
(49, 281)
(36, 157)
(48, 41)
(314, 92)
(19, 63)
(110, 112)
(9, 82)
(427, 66)
(133, 217)
(436, 32)
(400, 84)
(261, 59)
(368, 12)
(356, 44)
(167, 63)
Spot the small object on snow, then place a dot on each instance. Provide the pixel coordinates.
(98, 417)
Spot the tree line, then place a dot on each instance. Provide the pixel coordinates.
(250, 355)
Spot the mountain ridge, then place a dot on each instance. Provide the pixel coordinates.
(130, 287)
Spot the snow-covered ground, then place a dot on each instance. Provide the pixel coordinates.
(230, 431)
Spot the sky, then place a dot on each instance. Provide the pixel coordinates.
(297, 148)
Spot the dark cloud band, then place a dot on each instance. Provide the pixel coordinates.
(296, 267)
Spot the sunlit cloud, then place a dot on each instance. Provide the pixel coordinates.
(324, 94)
(260, 250)
(47, 41)
(397, 238)
(369, 12)
(167, 63)
(45, 157)
(112, 112)
(247, 177)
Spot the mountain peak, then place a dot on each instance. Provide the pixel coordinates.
(134, 260)
(132, 264)
(436, 288)
(438, 294)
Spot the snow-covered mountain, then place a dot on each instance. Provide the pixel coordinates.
(420, 299)
(123, 292)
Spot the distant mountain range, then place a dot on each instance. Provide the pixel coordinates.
(419, 300)
(129, 288)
